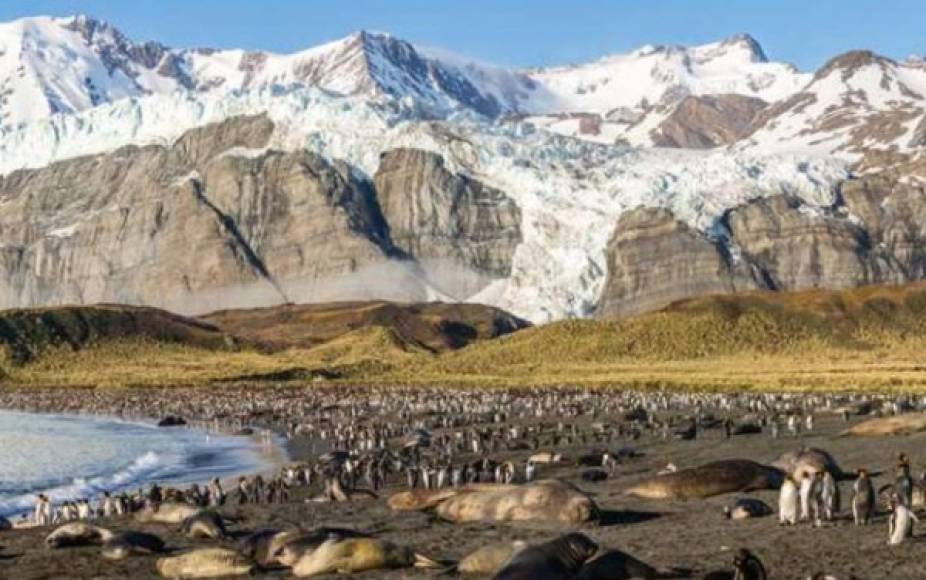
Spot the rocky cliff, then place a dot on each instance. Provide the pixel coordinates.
(219, 220)
(873, 233)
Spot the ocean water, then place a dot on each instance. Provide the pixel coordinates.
(69, 457)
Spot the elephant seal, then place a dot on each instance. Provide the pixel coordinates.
(124, 544)
(897, 425)
(349, 555)
(419, 499)
(746, 507)
(490, 559)
(205, 524)
(558, 559)
(617, 565)
(807, 460)
(166, 513)
(289, 547)
(545, 457)
(77, 534)
(719, 477)
(204, 563)
(261, 544)
(544, 500)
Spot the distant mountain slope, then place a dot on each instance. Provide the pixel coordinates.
(435, 327)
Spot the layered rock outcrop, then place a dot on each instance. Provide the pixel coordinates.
(874, 233)
(218, 220)
(654, 259)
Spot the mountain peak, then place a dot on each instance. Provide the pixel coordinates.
(749, 43)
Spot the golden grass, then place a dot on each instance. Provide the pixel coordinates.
(872, 338)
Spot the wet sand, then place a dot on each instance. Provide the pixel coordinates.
(691, 535)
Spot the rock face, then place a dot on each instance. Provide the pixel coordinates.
(702, 122)
(654, 259)
(872, 234)
(441, 218)
(217, 220)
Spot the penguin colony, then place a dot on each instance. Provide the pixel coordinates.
(483, 456)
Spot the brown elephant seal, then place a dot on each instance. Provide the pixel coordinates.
(204, 563)
(77, 534)
(544, 500)
(808, 460)
(204, 524)
(419, 499)
(897, 425)
(617, 565)
(558, 559)
(166, 513)
(290, 548)
(490, 559)
(350, 555)
(744, 508)
(261, 544)
(130, 542)
(718, 477)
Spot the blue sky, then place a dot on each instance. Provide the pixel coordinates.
(516, 32)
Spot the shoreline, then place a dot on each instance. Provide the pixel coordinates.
(269, 450)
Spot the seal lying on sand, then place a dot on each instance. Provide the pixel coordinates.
(558, 559)
(746, 507)
(129, 542)
(419, 499)
(77, 534)
(204, 524)
(727, 476)
(545, 500)
(289, 547)
(349, 555)
(489, 559)
(166, 513)
(204, 563)
(808, 460)
(897, 425)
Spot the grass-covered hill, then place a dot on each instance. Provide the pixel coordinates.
(853, 339)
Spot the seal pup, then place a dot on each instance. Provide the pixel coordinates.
(349, 555)
(746, 507)
(559, 559)
(900, 523)
(205, 524)
(863, 499)
(77, 534)
(166, 513)
(204, 563)
(788, 501)
(129, 542)
(489, 559)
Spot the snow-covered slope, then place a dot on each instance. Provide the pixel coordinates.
(570, 191)
(857, 103)
(51, 65)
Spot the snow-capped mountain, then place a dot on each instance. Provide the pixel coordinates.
(567, 150)
(858, 103)
(53, 65)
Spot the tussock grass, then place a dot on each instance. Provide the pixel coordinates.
(870, 338)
